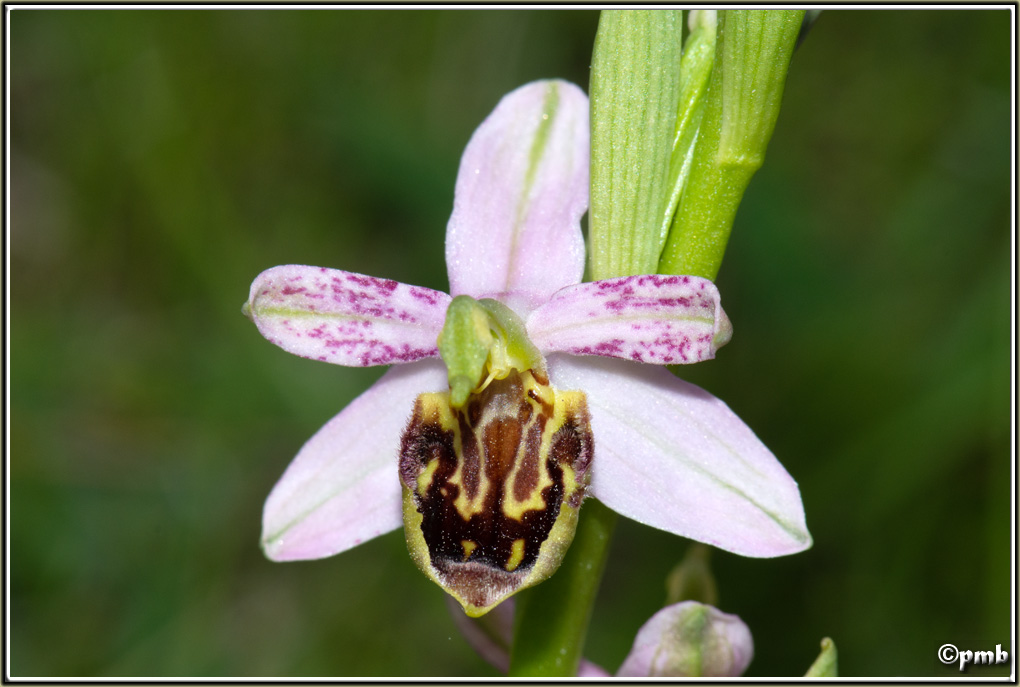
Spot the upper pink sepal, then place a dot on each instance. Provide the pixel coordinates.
(342, 488)
(653, 318)
(521, 191)
(672, 456)
(346, 318)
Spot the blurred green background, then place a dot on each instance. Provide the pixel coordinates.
(161, 159)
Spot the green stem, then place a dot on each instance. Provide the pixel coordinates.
(753, 51)
(551, 620)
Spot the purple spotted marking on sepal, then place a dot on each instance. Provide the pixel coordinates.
(653, 318)
(346, 318)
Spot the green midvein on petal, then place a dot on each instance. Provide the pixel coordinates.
(276, 312)
(549, 107)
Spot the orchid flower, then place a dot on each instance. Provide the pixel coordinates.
(685, 639)
(552, 389)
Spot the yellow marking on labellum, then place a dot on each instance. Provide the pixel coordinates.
(425, 478)
(516, 555)
(506, 473)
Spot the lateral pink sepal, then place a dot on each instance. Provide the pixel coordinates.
(654, 318)
(346, 318)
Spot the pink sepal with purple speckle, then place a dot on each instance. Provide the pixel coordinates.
(346, 318)
(658, 319)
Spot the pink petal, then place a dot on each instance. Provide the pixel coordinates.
(589, 669)
(659, 319)
(346, 318)
(690, 639)
(521, 191)
(672, 456)
(343, 488)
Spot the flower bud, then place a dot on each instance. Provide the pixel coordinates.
(690, 639)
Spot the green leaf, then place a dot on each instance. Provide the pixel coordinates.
(753, 53)
(695, 70)
(692, 579)
(825, 664)
(635, 91)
